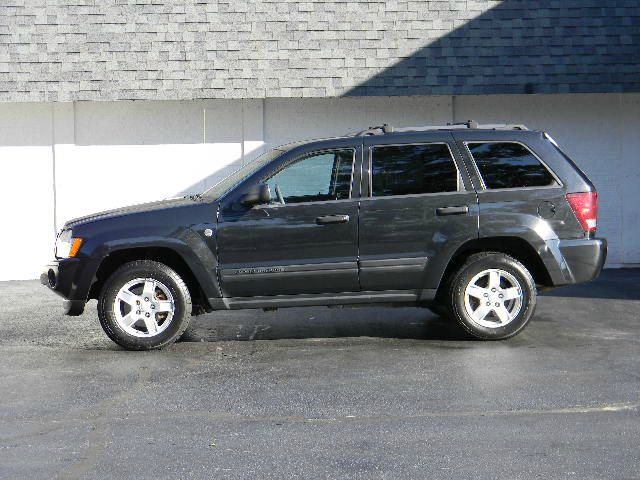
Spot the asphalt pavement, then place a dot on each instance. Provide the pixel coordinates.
(325, 393)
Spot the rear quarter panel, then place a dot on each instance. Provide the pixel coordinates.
(545, 209)
(540, 215)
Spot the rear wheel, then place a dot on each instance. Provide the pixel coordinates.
(144, 305)
(492, 296)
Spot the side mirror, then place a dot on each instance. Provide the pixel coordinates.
(257, 194)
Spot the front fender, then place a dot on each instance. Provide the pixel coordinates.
(194, 249)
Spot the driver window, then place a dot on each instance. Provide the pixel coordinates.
(318, 177)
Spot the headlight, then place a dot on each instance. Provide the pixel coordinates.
(66, 245)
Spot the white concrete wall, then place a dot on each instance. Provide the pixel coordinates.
(63, 160)
(26, 190)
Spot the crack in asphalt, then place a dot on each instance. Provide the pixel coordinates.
(100, 421)
(96, 439)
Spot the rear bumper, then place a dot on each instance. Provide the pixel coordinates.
(584, 258)
(70, 278)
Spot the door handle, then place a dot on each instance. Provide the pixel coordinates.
(457, 210)
(329, 219)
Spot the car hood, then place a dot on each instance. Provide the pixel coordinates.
(139, 208)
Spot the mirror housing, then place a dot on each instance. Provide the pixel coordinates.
(259, 193)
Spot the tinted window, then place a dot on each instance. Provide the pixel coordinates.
(411, 169)
(509, 165)
(323, 176)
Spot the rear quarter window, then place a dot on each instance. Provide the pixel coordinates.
(509, 165)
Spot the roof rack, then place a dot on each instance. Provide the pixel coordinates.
(379, 130)
(386, 128)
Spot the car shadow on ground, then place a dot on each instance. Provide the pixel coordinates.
(614, 284)
(404, 323)
(322, 322)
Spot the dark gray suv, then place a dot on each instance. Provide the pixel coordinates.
(467, 220)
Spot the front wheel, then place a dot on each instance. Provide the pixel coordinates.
(144, 305)
(493, 296)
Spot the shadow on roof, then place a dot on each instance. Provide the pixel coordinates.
(557, 47)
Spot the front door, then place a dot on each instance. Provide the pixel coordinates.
(418, 208)
(303, 242)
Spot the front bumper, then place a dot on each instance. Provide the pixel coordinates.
(584, 257)
(71, 278)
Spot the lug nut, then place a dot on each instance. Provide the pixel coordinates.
(488, 304)
(486, 294)
(147, 315)
(137, 302)
(501, 296)
(153, 307)
(146, 299)
(493, 290)
(137, 312)
(497, 305)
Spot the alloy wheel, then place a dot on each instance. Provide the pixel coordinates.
(493, 298)
(144, 307)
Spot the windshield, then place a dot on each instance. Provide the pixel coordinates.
(239, 175)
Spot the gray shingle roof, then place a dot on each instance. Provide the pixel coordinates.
(62, 50)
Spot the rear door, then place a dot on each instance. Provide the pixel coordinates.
(418, 207)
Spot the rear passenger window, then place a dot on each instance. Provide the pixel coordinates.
(412, 169)
(509, 165)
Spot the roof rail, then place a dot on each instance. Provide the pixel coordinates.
(378, 130)
(386, 128)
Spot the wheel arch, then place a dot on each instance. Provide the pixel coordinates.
(516, 247)
(115, 259)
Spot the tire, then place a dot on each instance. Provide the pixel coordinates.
(492, 296)
(136, 319)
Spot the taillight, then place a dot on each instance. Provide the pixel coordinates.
(585, 206)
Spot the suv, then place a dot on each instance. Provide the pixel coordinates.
(467, 220)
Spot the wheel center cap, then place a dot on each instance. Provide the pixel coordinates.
(146, 307)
